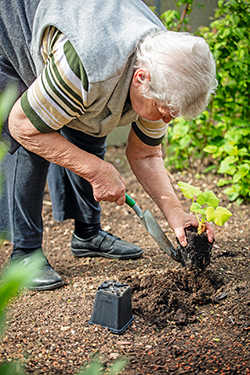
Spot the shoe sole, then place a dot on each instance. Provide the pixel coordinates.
(82, 253)
(47, 287)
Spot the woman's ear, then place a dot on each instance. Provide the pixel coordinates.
(140, 76)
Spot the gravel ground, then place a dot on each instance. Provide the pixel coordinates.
(185, 321)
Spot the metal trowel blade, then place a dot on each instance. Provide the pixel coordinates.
(158, 235)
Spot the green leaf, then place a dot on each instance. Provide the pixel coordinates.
(188, 190)
(93, 368)
(209, 198)
(230, 149)
(16, 277)
(211, 149)
(185, 141)
(12, 368)
(226, 165)
(232, 195)
(239, 201)
(219, 215)
(223, 182)
(240, 31)
(195, 207)
(180, 130)
(7, 100)
(243, 170)
(118, 366)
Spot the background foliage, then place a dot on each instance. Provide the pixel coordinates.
(220, 136)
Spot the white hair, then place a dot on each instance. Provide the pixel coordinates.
(182, 71)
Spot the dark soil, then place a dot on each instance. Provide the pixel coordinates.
(187, 321)
(197, 253)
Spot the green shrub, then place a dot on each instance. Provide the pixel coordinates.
(221, 135)
(177, 19)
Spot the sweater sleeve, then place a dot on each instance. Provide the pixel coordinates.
(150, 132)
(59, 94)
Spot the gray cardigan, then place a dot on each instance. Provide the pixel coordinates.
(104, 33)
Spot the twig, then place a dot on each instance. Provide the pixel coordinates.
(184, 13)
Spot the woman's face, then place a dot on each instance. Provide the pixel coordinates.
(144, 107)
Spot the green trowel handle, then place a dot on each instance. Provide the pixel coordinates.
(133, 205)
(130, 201)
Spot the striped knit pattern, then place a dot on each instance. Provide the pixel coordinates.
(152, 129)
(59, 94)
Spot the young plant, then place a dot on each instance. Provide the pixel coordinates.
(205, 204)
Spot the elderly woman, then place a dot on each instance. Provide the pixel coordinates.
(85, 68)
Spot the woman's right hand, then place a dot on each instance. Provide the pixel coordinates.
(108, 185)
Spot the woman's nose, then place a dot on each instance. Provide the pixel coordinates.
(167, 118)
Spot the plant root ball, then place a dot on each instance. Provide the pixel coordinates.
(197, 253)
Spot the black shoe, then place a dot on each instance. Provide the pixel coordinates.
(105, 245)
(46, 278)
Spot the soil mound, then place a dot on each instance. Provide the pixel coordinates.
(172, 295)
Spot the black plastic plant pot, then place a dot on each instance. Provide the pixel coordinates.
(112, 306)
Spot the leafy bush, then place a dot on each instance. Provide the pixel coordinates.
(222, 133)
(177, 20)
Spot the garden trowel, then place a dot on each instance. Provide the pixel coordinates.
(150, 224)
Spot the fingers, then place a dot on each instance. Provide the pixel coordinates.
(117, 196)
(210, 232)
(184, 221)
(180, 234)
(109, 186)
(121, 200)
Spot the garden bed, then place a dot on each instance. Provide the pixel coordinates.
(186, 321)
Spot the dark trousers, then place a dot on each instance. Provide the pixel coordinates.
(25, 175)
(23, 188)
